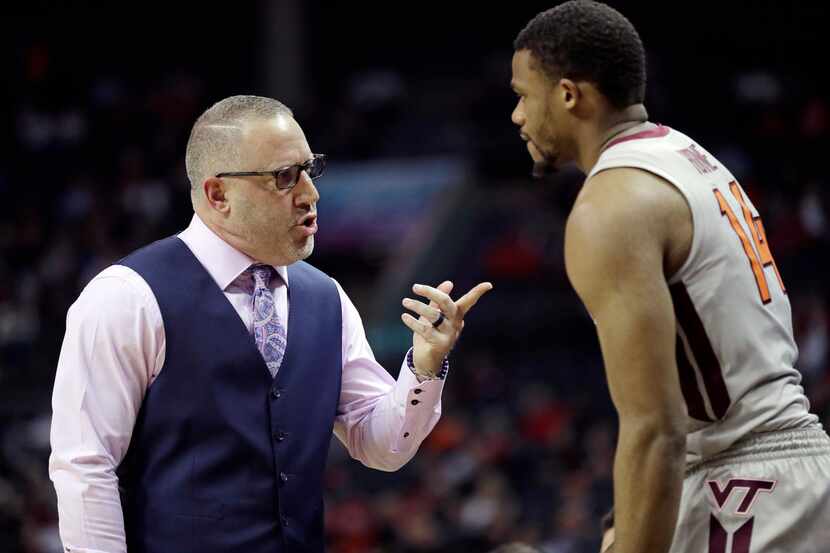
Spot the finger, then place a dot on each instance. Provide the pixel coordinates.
(442, 300)
(429, 313)
(446, 287)
(469, 299)
(421, 328)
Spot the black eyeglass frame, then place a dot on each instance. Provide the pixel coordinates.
(317, 160)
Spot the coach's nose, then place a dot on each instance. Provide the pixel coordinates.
(305, 193)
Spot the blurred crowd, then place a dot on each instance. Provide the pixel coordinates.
(94, 169)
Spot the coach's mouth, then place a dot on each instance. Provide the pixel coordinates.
(308, 221)
(307, 226)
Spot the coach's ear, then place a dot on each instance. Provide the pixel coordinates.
(214, 191)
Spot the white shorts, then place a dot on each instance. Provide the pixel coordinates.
(767, 494)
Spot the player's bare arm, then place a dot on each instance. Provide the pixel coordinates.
(621, 238)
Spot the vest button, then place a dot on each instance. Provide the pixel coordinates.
(283, 477)
(284, 520)
(279, 436)
(276, 393)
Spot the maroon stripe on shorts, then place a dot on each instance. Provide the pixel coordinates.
(688, 385)
(742, 538)
(701, 349)
(717, 536)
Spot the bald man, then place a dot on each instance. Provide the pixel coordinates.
(203, 375)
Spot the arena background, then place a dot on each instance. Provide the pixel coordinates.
(428, 180)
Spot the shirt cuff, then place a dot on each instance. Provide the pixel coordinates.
(409, 388)
(420, 403)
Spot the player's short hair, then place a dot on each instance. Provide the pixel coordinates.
(214, 140)
(515, 547)
(586, 40)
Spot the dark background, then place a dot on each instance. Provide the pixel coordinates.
(428, 180)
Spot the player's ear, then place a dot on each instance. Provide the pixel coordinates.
(568, 92)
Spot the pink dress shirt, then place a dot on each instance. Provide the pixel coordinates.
(114, 350)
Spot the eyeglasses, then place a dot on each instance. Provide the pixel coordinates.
(287, 177)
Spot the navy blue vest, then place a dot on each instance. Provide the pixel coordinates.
(223, 458)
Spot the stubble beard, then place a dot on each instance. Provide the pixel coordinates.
(305, 251)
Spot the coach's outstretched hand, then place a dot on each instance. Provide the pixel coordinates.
(440, 323)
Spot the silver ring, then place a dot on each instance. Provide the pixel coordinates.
(438, 321)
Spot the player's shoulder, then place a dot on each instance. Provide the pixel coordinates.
(623, 196)
(610, 216)
(624, 211)
(611, 235)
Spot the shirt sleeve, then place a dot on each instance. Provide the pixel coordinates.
(112, 350)
(381, 421)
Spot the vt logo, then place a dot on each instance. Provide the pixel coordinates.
(741, 538)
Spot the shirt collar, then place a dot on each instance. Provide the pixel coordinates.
(223, 262)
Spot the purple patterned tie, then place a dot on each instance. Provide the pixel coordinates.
(269, 333)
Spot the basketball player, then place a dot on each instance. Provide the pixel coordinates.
(717, 448)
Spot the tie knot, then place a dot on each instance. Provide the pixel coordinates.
(261, 274)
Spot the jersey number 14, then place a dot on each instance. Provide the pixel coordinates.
(760, 255)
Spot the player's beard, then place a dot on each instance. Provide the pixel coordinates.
(546, 166)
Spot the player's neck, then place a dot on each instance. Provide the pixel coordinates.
(616, 124)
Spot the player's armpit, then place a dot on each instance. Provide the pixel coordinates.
(614, 251)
